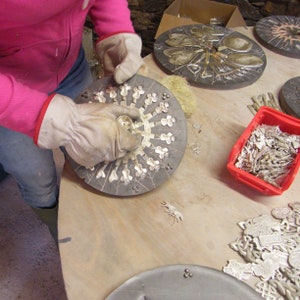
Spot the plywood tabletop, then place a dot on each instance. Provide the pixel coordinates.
(106, 240)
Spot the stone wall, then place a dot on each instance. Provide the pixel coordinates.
(254, 10)
(146, 16)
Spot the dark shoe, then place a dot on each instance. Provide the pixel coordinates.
(49, 217)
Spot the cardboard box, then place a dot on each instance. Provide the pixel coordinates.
(187, 12)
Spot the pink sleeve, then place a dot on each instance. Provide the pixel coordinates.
(111, 16)
(20, 106)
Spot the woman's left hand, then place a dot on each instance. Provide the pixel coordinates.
(120, 55)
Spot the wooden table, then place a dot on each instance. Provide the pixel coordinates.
(108, 240)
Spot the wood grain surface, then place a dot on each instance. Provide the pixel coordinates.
(106, 240)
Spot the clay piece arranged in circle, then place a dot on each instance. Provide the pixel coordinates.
(280, 34)
(210, 56)
(289, 97)
(163, 131)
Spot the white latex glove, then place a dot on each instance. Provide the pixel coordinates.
(89, 132)
(120, 55)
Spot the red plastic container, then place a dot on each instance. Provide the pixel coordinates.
(267, 116)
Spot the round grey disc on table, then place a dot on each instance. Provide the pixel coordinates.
(162, 126)
(280, 34)
(178, 282)
(289, 97)
(209, 56)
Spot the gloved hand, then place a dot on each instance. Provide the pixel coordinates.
(121, 55)
(89, 132)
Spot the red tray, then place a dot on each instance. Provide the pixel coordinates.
(267, 116)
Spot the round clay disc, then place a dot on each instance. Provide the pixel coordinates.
(210, 56)
(280, 34)
(188, 282)
(163, 131)
(289, 97)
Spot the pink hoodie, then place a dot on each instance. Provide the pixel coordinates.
(39, 43)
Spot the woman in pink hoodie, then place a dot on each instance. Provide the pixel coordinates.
(42, 68)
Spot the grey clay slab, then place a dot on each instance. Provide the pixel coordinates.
(280, 34)
(163, 130)
(289, 97)
(170, 283)
(209, 56)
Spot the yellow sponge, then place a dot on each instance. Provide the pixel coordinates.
(181, 89)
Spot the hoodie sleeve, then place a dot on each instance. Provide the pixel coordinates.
(20, 105)
(111, 16)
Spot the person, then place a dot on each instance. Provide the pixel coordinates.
(42, 69)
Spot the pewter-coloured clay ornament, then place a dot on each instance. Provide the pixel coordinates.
(210, 56)
(188, 282)
(163, 131)
(289, 97)
(280, 34)
(270, 247)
